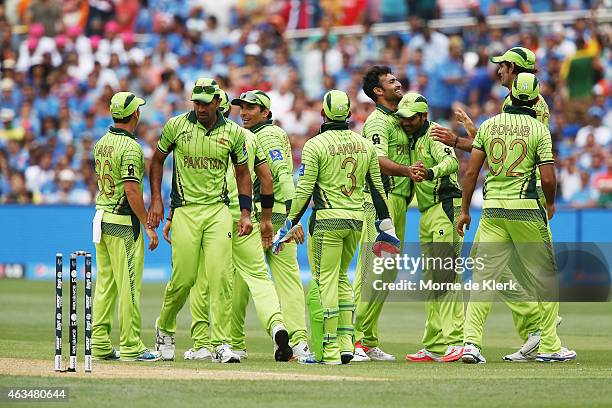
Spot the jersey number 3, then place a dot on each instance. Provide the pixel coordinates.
(350, 175)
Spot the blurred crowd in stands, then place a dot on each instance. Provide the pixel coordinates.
(61, 61)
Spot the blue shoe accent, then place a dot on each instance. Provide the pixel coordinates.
(148, 356)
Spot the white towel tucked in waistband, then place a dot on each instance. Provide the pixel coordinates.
(97, 226)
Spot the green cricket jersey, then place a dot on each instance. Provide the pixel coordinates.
(118, 158)
(443, 163)
(383, 129)
(515, 143)
(201, 157)
(336, 164)
(256, 157)
(274, 142)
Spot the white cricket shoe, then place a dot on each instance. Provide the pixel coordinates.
(200, 354)
(164, 343)
(225, 354)
(471, 355)
(558, 357)
(282, 349)
(360, 356)
(241, 353)
(376, 354)
(528, 351)
(301, 350)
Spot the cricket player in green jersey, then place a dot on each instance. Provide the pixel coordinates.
(274, 142)
(525, 314)
(202, 142)
(439, 200)
(514, 144)
(250, 270)
(383, 129)
(117, 233)
(336, 164)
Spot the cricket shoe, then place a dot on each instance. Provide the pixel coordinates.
(471, 355)
(114, 355)
(309, 359)
(301, 350)
(528, 351)
(558, 357)
(453, 353)
(225, 354)
(146, 356)
(360, 355)
(164, 343)
(282, 349)
(199, 354)
(422, 356)
(376, 354)
(346, 357)
(242, 353)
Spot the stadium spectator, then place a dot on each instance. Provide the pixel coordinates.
(601, 133)
(585, 197)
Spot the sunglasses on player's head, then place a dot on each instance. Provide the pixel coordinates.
(250, 97)
(208, 89)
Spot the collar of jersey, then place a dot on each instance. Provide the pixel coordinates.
(333, 126)
(191, 116)
(384, 109)
(121, 132)
(520, 110)
(261, 125)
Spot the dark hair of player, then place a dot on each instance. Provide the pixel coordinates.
(371, 80)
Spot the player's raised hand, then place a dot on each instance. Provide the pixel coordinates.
(467, 123)
(153, 240)
(267, 233)
(155, 213)
(166, 232)
(464, 220)
(245, 226)
(444, 135)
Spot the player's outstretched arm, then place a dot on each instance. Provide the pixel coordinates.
(245, 190)
(156, 209)
(469, 185)
(134, 197)
(444, 135)
(267, 202)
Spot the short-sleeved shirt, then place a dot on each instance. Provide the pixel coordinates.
(515, 144)
(383, 129)
(256, 157)
(442, 160)
(275, 144)
(334, 168)
(201, 157)
(118, 158)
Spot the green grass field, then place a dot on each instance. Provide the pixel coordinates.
(27, 348)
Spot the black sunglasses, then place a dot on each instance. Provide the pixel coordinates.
(250, 97)
(208, 89)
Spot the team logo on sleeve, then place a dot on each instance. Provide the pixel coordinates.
(276, 155)
(244, 149)
(131, 170)
(302, 168)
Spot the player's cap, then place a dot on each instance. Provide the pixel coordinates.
(123, 104)
(255, 97)
(411, 104)
(520, 56)
(525, 87)
(595, 112)
(205, 90)
(336, 105)
(224, 105)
